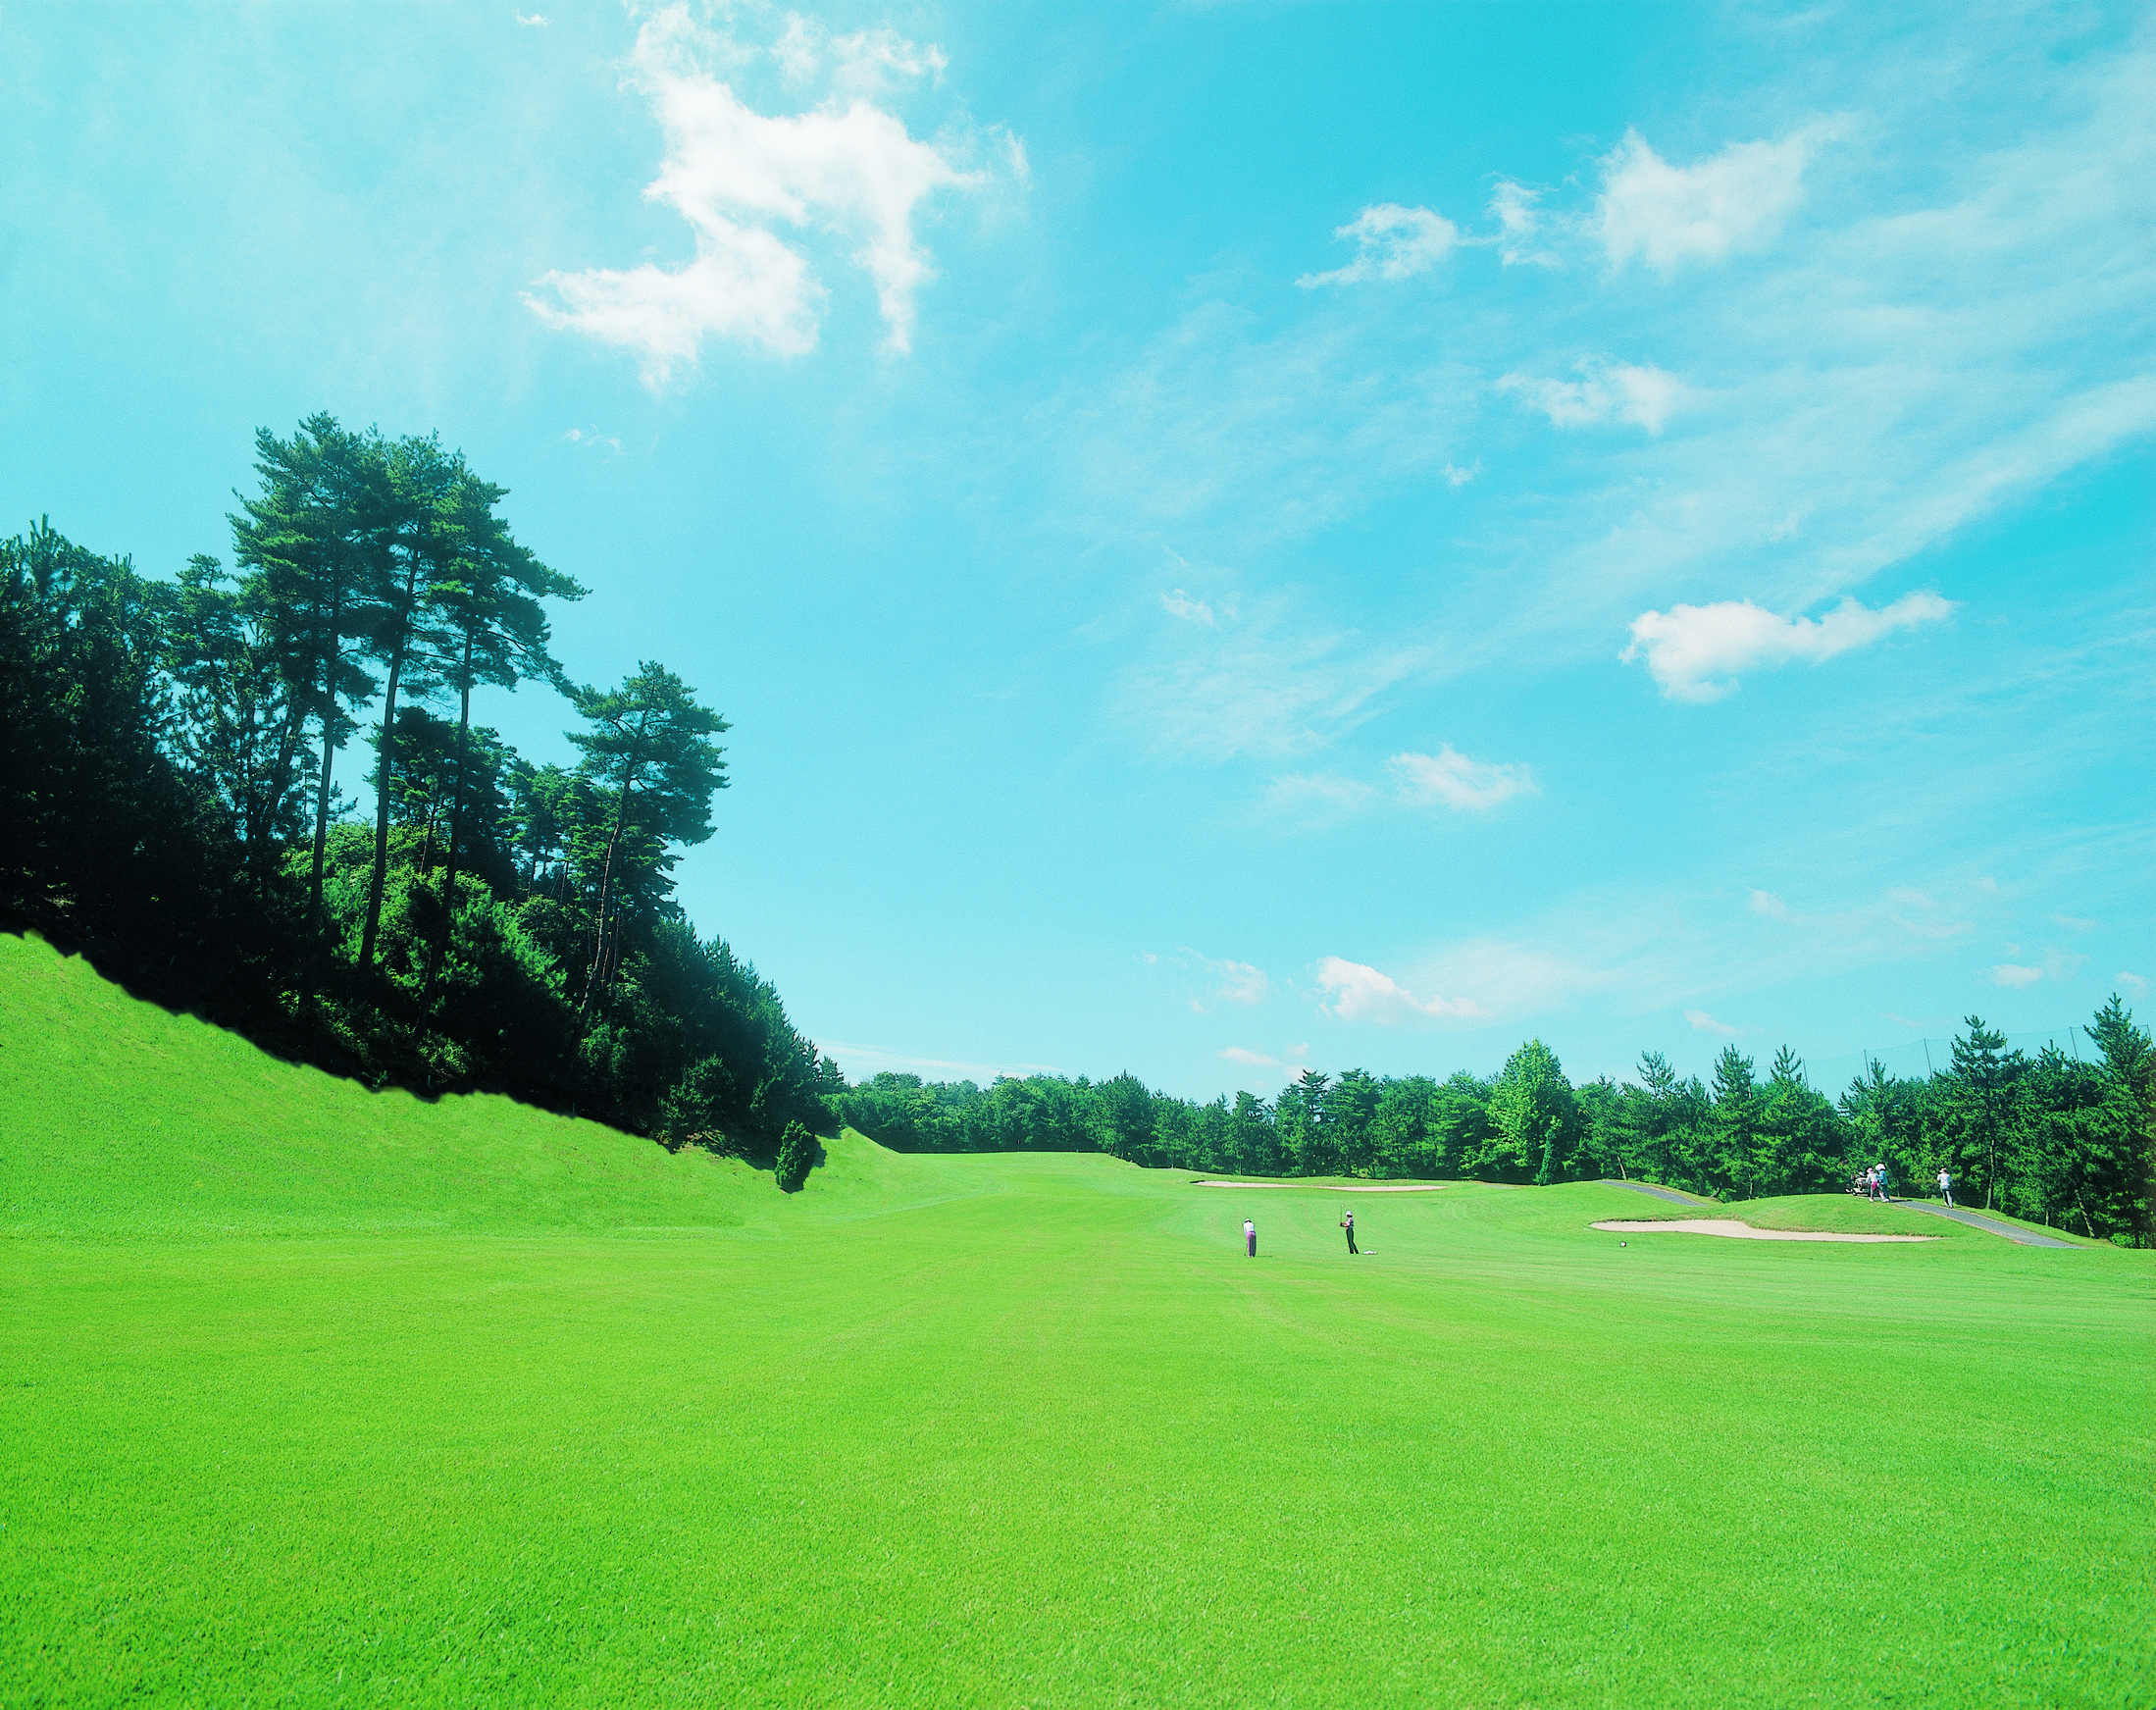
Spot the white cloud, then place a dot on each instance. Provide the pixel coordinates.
(1520, 224)
(846, 167)
(1695, 651)
(1180, 605)
(1453, 779)
(1735, 200)
(1702, 1023)
(1766, 903)
(867, 61)
(1249, 1058)
(1358, 993)
(1963, 323)
(2008, 975)
(1392, 243)
(1608, 392)
(2135, 983)
(2072, 922)
(533, 20)
(1454, 476)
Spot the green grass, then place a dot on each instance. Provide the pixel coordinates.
(313, 1396)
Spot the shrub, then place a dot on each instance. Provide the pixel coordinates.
(796, 1158)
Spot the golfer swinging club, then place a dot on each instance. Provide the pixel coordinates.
(1348, 1223)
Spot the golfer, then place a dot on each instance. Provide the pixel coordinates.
(1250, 1237)
(1946, 1185)
(1886, 1186)
(1348, 1223)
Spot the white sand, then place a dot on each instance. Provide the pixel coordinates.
(1329, 1187)
(1745, 1231)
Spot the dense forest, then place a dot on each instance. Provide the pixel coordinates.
(2051, 1139)
(170, 757)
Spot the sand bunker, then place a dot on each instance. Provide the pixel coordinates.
(1332, 1187)
(1745, 1231)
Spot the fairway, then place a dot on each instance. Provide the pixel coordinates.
(318, 1396)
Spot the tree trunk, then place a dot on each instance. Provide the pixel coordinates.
(384, 768)
(464, 743)
(279, 782)
(329, 658)
(606, 880)
(456, 813)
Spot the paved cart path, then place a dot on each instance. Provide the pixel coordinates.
(1660, 1193)
(1978, 1221)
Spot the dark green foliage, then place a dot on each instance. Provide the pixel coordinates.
(2067, 1142)
(499, 926)
(796, 1158)
(106, 838)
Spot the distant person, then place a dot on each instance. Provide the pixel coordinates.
(1946, 1185)
(1886, 1183)
(1250, 1237)
(1348, 1223)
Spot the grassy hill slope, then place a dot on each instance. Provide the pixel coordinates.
(126, 1119)
(387, 1402)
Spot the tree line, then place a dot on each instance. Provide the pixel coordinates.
(2052, 1139)
(170, 801)
(171, 757)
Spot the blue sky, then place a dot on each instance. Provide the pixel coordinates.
(1232, 538)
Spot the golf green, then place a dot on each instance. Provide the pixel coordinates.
(317, 1396)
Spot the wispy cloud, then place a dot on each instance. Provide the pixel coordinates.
(1266, 681)
(1238, 982)
(1209, 981)
(1446, 779)
(1702, 1023)
(1960, 324)
(1644, 951)
(1451, 779)
(1608, 391)
(847, 165)
(1519, 225)
(2134, 983)
(1392, 243)
(1695, 651)
(2008, 973)
(1320, 795)
(532, 20)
